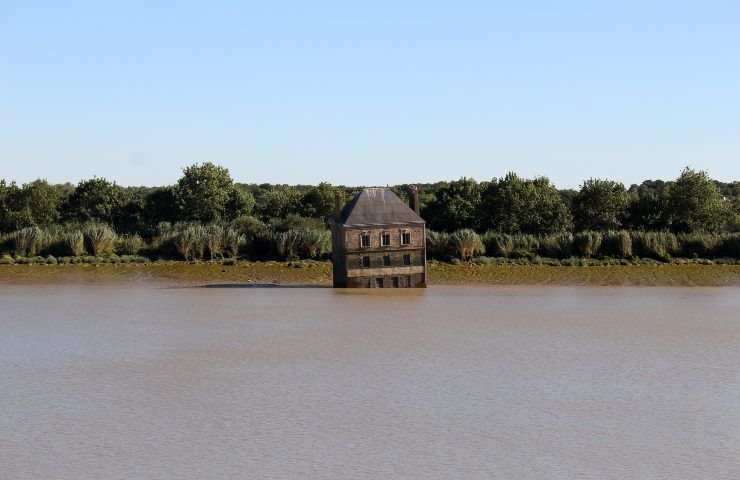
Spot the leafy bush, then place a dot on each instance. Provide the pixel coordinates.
(466, 243)
(129, 244)
(525, 246)
(728, 245)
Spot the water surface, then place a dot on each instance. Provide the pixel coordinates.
(106, 382)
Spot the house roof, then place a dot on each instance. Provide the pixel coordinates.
(377, 206)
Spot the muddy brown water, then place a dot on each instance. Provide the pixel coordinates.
(137, 382)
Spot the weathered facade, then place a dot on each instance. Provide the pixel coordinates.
(378, 241)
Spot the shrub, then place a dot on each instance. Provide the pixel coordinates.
(696, 245)
(558, 245)
(616, 244)
(6, 261)
(50, 260)
(72, 242)
(728, 245)
(99, 237)
(466, 243)
(189, 239)
(657, 245)
(526, 246)
(587, 244)
(313, 242)
(499, 244)
(129, 244)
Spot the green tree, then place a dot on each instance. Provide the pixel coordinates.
(43, 200)
(279, 202)
(693, 203)
(455, 206)
(318, 202)
(206, 193)
(515, 205)
(94, 199)
(600, 205)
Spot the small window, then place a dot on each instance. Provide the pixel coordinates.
(365, 261)
(406, 238)
(385, 239)
(386, 260)
(407, 259)
(365, 240)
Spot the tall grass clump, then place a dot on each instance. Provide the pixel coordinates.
(616, 243)
(438, 245)
(29, 241)
(657, 245)
(189, 239)
(72, 243)
(213, 240)
(697, 244)
(129, 244)
(728, 245)
(498, 244)
(557, 245)
(233, 241)
(99, 237)
(587, 244)
(312, 242)
(467, 244)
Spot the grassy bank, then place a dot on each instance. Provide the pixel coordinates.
(319, 273)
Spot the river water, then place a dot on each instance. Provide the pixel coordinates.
(124, 382)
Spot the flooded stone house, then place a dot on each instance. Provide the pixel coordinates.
(378, 241)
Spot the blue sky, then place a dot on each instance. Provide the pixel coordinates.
(369, 92)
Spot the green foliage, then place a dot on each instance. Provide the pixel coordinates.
(694, 204)
(656, 245)
(206, 193)
(129, 244)
(71, 242)
(728, 245)
(233, 241)
(466, 244)
(600, 205)
(616, 244)
(98, 237)
(278, 202)
(455, 207)
(95, 199)
(514, 205)
(213, 240)
(587, 244)
(526, 246)
(319, 201)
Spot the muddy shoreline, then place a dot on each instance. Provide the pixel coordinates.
(319, 274)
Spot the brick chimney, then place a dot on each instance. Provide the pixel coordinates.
(414, 198)
(338, 205)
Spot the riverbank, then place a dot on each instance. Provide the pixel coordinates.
(319, 274)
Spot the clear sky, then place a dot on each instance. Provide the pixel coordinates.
(369, 92)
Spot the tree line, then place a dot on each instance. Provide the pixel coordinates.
(207, 215)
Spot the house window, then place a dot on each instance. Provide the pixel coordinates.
(366, 261)
(406, 238)
(386, 260)
(385, 239)
(407, 259)
(365, 240)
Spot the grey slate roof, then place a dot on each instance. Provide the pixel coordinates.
(377, 206)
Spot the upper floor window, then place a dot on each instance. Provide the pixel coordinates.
(385, 239)
(365, 240)
(406, 238)
(407, 259)
(386, 260)
(365, 261)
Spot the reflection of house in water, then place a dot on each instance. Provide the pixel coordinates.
(378, 241)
